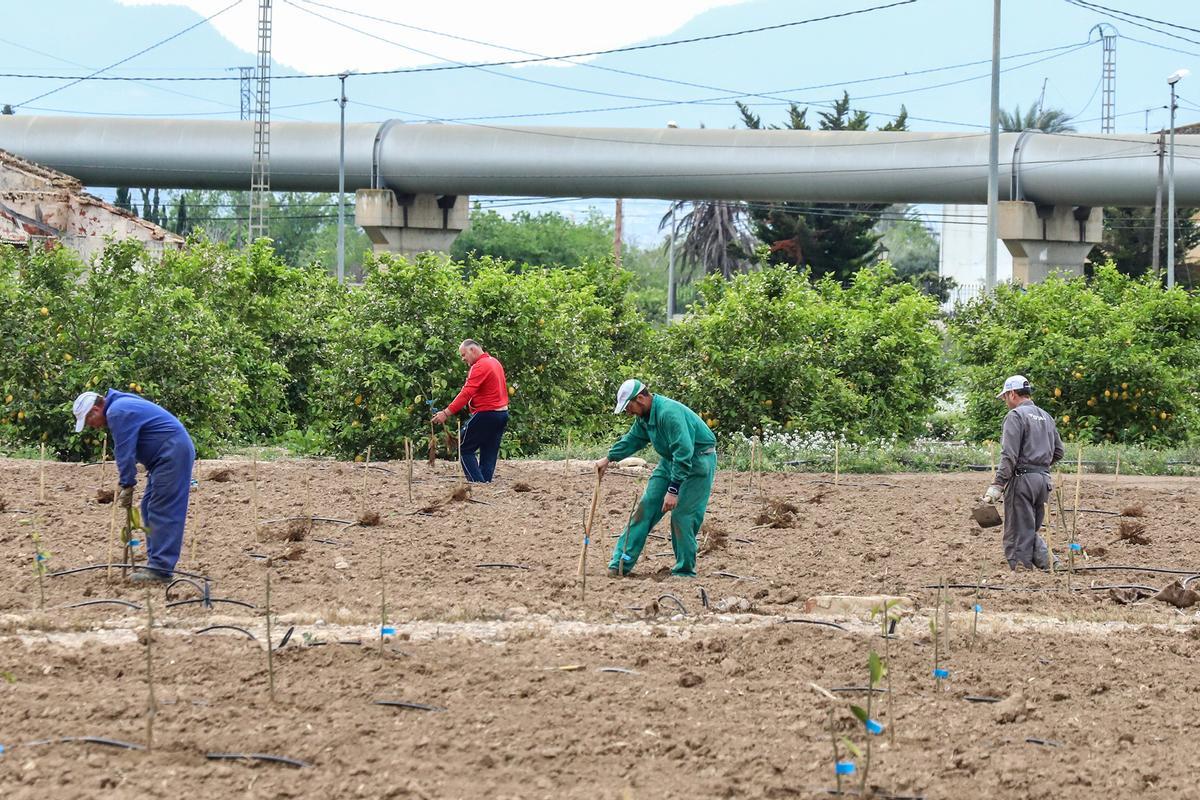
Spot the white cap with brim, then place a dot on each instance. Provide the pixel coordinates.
(1015, 382)
(629, 390)
(83, 404)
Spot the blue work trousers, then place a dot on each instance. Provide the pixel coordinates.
(481, 435)
(165, 502)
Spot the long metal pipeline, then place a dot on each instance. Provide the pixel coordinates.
(884, 167)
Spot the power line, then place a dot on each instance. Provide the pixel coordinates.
(1098, 7)
(1159, 46)
(411, 70)
(143, 51)
(1058, 51)
(1120, 16)
(634, 48)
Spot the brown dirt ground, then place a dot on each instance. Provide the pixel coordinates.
(1114, 686)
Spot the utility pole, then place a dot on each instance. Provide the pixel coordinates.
(671, 254)
(993, 187)
(1175, 78)
(260, 177)
(341, 246)
(1108, 79)
(245, 91)
(617, 236)
(1155, 263)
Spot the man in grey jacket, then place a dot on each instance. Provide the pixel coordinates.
(1029, 446)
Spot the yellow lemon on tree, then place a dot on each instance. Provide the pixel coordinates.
(68, 357)
(8, 398)
(358, 400)
(768, 403)
(20, 416)
(354, 424)
(1107, 394)
(1124, 385)
(1057, 392)
(1066, 418)
(45, 312)
(1162, 415)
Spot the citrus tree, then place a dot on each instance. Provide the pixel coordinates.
(1113, 359)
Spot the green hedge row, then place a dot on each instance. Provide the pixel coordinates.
(244, 348)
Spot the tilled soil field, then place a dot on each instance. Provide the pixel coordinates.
(644, 687)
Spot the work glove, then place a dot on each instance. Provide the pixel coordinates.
(125, 497)
(993, 494)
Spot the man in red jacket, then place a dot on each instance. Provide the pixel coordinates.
(485, 394)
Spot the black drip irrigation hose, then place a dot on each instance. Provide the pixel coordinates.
(620, 670)
(270, 759)
(76, 570)
(1043, 742)
(227, 628)
(731, 575)
(409, 704)
(703, 596)
(976, 698)
(501, 566)
(823, 622)
(1128, 568)
(87, 740)
(310, 519)
(880, 795)
(673, 599)
(208, 602)
(101, 602)
(857, 689)
(287, 637)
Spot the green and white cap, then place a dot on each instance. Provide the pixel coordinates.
(629, 390)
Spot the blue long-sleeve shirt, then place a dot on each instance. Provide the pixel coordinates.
(139, 428)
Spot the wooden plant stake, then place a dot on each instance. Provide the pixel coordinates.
(946, 601)
(103, 459)
(112, 535)
(1075, 516)
(934, 628)
(432, 445)
(567, 469)
(42, 475)
(383, 628)
(270, 648)
(837, 460)
(408, 457)
(254, 494)
(587, 536)
(750, 486)
(362, 503)
(151, 705)
(624, 538)
(39, 568)
(975, 619)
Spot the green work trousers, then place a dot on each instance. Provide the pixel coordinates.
(686, 518)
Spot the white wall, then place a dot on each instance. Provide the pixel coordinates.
(964, 251)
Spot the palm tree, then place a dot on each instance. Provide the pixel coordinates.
(1048, 120)
(715, 236)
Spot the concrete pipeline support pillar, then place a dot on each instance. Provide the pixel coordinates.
(409, 224)
(1044, 239)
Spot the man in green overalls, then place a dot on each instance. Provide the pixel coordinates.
(680, 484)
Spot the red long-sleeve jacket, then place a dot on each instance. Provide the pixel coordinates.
(485, 389)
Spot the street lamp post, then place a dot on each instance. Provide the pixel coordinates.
(671, 256)
(341, 245)
(1175, 78)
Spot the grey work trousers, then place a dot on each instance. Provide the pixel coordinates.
(1024, 508)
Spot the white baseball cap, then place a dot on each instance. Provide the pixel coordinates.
(629, 390)
(1015, 382)
(83, 404)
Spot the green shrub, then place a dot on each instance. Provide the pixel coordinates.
(1115, 359)
(770, 347)
(562, 335)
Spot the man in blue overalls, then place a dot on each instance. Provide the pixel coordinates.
(146, 433)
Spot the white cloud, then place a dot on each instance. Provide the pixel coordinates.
(309, 44)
